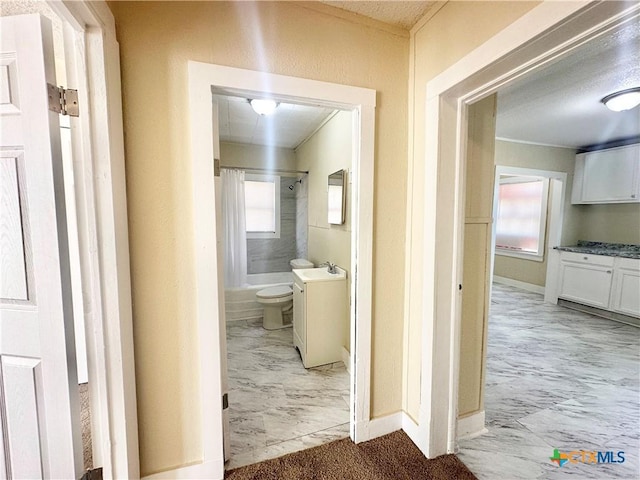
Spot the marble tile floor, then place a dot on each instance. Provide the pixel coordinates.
(276, 406)
(556, 378)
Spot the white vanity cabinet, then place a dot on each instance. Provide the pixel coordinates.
(625, 295)
(586, 278)
(607, 176)
(320, 310)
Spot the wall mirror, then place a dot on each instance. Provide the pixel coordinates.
(337, 197)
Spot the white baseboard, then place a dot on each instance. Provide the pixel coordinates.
(346, 359)
(471, 426)
(530, 287)
(213, 470)
(411, 429)
(384, 425)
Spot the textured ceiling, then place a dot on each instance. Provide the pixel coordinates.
(287, 127)
(560, 104)
(398, 13)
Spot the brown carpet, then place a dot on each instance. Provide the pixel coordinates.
(392, 457)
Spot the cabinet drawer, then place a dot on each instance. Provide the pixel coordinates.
(587, 258)
(628, 263)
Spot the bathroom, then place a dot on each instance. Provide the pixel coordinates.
(276, 405)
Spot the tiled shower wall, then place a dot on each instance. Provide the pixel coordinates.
(273, 254)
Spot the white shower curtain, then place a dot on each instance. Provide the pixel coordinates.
(234, 228)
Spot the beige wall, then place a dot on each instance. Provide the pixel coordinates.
(478, 222)
(255, 156)
(328, 151)
(455, 30)
(612, 223)
(156, 41)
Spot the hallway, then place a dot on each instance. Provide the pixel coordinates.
(556, 379)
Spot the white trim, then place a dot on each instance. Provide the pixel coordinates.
(537, 144)
(203, 79)
(103, 236)
(346, 359)
(198, 471)
(529, 287)
(542, 35)
(385, 425)
(471, 426)
(558, 189)
(410, 427)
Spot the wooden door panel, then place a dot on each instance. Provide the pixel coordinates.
(39, 402)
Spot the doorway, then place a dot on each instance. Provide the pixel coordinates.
(473, 78)
(203, 79)
(530, 380)
(274, 170)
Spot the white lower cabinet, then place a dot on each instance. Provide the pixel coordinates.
(625, 297)
(320, 311)
(609, 283)
(586, 278)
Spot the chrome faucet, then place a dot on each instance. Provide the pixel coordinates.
(331, 267)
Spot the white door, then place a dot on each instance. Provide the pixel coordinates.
(38, 379)
(221, 305)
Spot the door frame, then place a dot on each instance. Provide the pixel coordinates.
(93, 61)
(202, 78)
(539, 37)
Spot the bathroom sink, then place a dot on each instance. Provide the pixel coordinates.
(319, 274)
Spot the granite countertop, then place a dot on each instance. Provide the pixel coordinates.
(602, 248)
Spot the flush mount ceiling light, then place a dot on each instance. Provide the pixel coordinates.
(623, 100)
(263, 106)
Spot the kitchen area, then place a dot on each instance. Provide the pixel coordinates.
(597, 277)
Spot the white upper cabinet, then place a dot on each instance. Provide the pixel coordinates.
(607, 176)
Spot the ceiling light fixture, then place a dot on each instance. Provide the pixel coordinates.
(623, 100)
(263, 106)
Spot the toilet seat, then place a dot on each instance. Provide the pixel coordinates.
(275, 292)
(275, 300)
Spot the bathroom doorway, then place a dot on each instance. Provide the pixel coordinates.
(205, 80)
(274, 169)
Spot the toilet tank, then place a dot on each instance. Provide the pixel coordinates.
(300, 263)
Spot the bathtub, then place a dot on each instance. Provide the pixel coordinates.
(240, 303)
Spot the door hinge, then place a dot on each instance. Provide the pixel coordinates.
(225, 401)
(63, 100)
(216, 167)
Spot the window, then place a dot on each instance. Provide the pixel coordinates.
(262, 206)
(522, 216)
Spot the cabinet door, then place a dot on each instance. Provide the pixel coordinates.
(587, 284)
(299, 320)
(611, 175)
(626, 293)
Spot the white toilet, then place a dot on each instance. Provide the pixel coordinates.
(278, 300)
